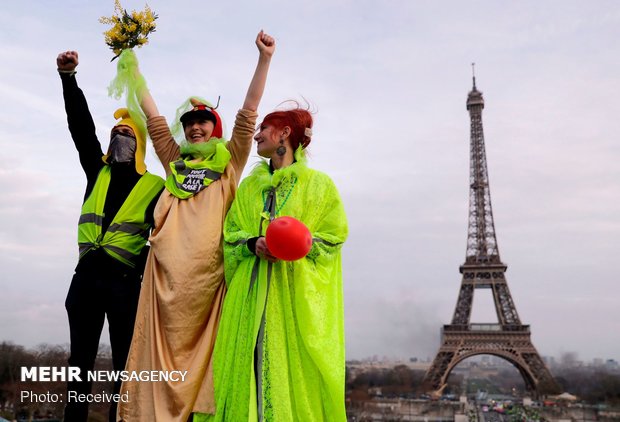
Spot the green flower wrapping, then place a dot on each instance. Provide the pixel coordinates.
(129, 80)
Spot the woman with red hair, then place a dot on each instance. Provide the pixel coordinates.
(279, 353)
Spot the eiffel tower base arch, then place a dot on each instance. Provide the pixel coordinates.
(510, 343)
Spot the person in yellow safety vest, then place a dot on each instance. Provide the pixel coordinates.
(113, 230)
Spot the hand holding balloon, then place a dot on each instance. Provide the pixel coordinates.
(262, 251)
(288, 239)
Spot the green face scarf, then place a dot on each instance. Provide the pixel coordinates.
(201, 150)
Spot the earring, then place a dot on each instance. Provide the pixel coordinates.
(281, 149)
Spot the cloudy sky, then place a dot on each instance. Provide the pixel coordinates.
(389, 81)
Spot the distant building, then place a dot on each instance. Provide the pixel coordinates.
(549, 360)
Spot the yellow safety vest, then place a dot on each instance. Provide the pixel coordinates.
(128, 231)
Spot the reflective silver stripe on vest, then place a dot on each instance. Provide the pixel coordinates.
(84, 247)
(183, 170)
(122, 252)
(128, 228)
(91, 218)
(271, 206)
(180, 166)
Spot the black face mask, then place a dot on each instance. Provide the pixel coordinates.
(122, 149)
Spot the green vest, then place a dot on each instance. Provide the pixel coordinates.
(187, 177)
(128, 232)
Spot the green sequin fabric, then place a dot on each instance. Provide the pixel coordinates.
(279, 353)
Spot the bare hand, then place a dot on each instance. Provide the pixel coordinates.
(266, 44)
(263, 252)
(67, 61)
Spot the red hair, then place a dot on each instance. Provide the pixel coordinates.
(297, 119)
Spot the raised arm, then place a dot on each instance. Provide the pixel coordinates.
(266, 46)
(147, 103)
(79, 119)
(245, 124)
(165, 146)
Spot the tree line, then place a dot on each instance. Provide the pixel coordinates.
(592, 385)
(25, 400)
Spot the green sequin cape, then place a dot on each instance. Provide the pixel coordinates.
(290, 313)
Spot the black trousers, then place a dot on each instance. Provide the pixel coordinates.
(93, 295)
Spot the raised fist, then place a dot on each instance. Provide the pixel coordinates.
(266, 43)
(67, 61)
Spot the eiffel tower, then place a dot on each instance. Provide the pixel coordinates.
(509, 338)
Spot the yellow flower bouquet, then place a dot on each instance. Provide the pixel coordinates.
(128, 30)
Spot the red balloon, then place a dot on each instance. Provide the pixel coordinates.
(288, 239)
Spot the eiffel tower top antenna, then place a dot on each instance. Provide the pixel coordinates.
(473, 73)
